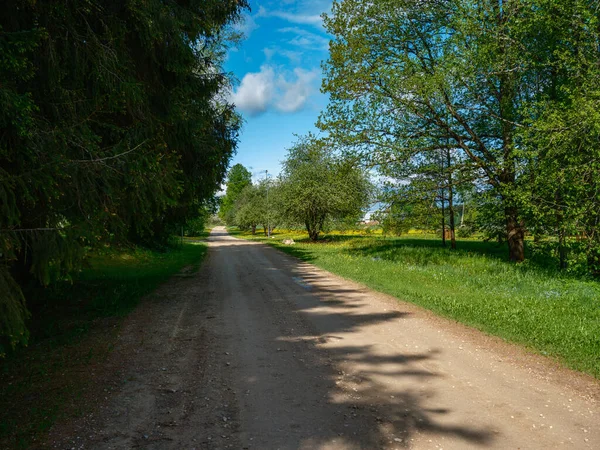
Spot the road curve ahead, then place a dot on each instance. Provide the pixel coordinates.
(261, 351)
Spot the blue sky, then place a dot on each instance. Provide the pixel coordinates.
(278, 72)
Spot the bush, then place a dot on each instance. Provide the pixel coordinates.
(465, 231)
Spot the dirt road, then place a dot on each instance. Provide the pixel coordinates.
(261, 351)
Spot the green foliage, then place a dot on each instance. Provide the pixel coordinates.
(196, 225)
(250, 208)
(13, 314)
(565, 186)
(465, 231)
(510, 87)
(413, 205)
(316, 186)
(258, 204)
(490, 220)
(214, 221)
(409, 81)
(238, 178)
(113, 126)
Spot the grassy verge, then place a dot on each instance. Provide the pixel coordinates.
(73, 330)
(547, 311)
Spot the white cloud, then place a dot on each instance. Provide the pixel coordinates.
(246, 26)
(286, 92)
(269, 52)
(306, 39)
(302, 19)
(293, 56)
(255, 91)
(296, 93)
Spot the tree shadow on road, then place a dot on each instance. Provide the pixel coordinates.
(374, 395)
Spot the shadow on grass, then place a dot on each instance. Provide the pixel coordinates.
(433, 251)
(396, 249)
(300, 253)
(379, 242)
(370, 246)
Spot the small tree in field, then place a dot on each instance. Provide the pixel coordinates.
(316, 186)
(248, 208)
(258, 205)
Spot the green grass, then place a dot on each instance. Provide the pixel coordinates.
(111, 285)
(74, 327)
(552, 313)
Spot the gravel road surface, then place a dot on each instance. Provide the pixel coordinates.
(261, 351)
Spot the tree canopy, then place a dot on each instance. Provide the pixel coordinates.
(238, 179)
(500, 84)
(316, 186)
(114, 126)
(259, 204)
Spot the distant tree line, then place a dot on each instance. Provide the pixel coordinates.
(489, 104)
(114, 127)
(315, 189)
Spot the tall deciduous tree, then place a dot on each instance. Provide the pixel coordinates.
(509, 85)
(408, 77)
(315, 186)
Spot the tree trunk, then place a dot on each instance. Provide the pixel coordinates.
(506, 102)
(562, 234)
(253, 229)
(443, 196)
(21, 267)
(313, 232)
(451, 203)
(562, 249)
(443, 219)
(516, 235)
(314, 227)
(452, 224)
